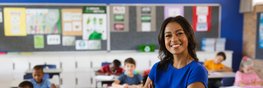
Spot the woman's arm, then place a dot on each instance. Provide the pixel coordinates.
(196, 85)
(148, 83)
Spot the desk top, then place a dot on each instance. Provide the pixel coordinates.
(221, 74)
(47, 71)
(106, 77)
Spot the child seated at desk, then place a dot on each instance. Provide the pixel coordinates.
(38, 81)
(111, 69)
(25, 84)
(129, 78)
(215, 65)
(246, 76)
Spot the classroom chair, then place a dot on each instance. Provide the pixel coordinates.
(29, 76)
(228, 81)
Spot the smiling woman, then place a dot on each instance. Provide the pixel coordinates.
(179, 63)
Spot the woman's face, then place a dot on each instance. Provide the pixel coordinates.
(175, 39)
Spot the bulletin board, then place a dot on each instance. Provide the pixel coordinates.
(132, 39)
(129, 39)
(26, 43)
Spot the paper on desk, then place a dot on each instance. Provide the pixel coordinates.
(105, 77)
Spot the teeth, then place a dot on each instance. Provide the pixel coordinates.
(176, 45)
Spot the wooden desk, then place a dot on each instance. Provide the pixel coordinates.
(221, 75)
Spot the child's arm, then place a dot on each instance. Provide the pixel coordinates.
(136, 86)
(53, 85)
(226, 69)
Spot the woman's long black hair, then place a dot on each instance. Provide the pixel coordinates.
(165, 56)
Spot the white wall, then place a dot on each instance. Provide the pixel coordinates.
(78, 67)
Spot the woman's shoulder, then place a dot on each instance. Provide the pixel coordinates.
(195, 65)
(156, 64)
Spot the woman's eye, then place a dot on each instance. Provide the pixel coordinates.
(167, 35)
(180, 33)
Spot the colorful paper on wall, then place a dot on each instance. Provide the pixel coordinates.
(81, 45)
(94, 19)
(53, 39)
(72, 22)
(119, 19)
(15, 21)
(39, 41)
(1, 16)
(94, 44)
(202, 18)
(43, 21)
(173, 11)
(261, 31)
(146, 18)
(68, 41)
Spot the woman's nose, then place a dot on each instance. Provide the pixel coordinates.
(175, 38)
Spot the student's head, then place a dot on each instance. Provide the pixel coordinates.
(38, 73)
(129, 65)
(246, 65)
(220, 57)
(25, 84)
(176, 37)
(116, 63)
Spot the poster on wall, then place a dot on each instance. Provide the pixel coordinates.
(94, 20)
(39, 41)
(260, 31)
(53, 39)
(81, 45)
(72, 22)
(119, 18)
(202, 18)
(68, 40)
(1, 16)
(43, 21)
(15, 21)
(146, 18)
(173, 11)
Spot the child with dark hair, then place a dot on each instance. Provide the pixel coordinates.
(38, 81)
(111, 69)
(25, 84)
(178, 66)
(129, 78)
(215, 65)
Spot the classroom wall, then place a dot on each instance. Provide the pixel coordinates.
(249, 37)
(231, 19)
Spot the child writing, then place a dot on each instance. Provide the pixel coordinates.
(246, 76)
(38, 81)
(111, 69)
(129, 78)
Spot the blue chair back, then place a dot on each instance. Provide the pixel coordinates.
(228, 81)
(105, 63)
(29, 76)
